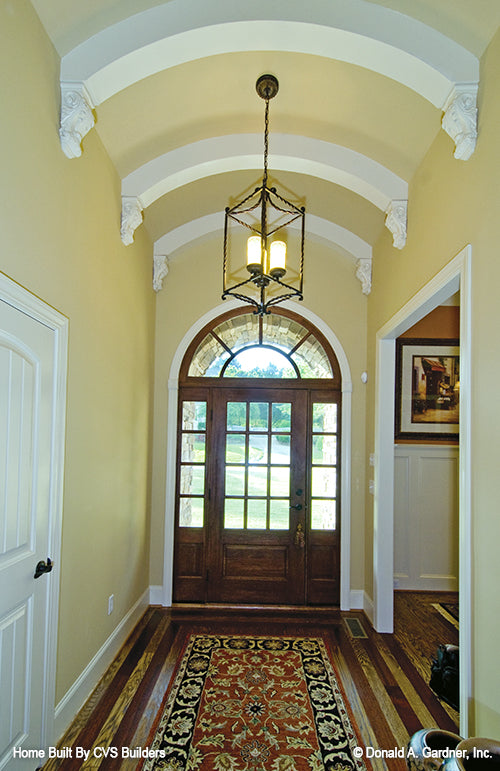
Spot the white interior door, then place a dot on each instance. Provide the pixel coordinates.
(28, 406)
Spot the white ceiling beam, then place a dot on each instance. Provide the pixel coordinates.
(304, 155)
(359, 32)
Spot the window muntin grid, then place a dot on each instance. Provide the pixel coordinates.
(219, 353)
(257, 466)
(192, 464)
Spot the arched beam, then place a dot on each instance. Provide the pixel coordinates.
(327, 231)
(304, 155)
(212, 223)
(360, 32)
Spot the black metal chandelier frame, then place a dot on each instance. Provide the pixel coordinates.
(267, 198)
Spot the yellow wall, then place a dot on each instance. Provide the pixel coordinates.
(191, 289)
(60, 240)
(453, 203)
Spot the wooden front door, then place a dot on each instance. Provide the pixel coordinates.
(258, 481)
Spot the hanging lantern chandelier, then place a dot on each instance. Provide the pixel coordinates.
(267, 215)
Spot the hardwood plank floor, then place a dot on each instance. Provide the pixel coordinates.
(384, 677)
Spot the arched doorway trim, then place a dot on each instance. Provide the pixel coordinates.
(173, 391)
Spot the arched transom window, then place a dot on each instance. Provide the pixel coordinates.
(250, 346)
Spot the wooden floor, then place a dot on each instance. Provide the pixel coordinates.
(384, 677)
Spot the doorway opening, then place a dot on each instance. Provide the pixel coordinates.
(454, 277)
(258, 464)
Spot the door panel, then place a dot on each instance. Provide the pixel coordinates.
(258, 435)
(257, 497)
(323, 564)
(192, 497)
(26, 396)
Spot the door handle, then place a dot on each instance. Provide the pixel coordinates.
(299, 539)
(43, 567)
(298, 507)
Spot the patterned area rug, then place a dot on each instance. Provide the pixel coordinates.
(252, 703)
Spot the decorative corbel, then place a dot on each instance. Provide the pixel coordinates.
(396, 221)
(460, 119)
(364, 274)
(131, 217)
(160, 270)
(77, 117)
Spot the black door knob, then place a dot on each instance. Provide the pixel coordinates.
(43, 567)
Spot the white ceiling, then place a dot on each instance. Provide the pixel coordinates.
(363, 84)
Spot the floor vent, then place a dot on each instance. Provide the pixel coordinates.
(355, 627)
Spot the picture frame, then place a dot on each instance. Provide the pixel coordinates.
(427, 389)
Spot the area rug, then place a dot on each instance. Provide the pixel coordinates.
(249, 703)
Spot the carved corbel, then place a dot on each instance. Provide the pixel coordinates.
(77, 118)
(160, 270)
(396, 221)
(460, 119)
(364, 274)
(131, 218)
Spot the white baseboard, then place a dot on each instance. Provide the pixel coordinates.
(361, 601)
(156, 595)
(368, 607)
(75, 697)
(356, 597)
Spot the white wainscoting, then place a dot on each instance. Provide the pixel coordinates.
(426, 517)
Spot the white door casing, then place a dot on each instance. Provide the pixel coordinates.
(173, 391)
(33, 353)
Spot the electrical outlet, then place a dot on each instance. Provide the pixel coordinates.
(111, 603)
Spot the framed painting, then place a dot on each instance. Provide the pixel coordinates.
(427, 389)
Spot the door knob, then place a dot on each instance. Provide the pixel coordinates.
(298, 507)
(43, 567)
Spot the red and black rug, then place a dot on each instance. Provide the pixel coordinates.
(248, 703)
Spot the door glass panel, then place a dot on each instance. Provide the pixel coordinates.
(259, 416)
(280, 449)
(324, 482)
(281, 416)
(257, 448)
(191, 512)
(257, 487)
(236, 416)
(323, 515)
(280, 482)
(234, 515)
(192, 480)
(235, 448)
(192, 466)
(324, 479)
(193, 448)
(194, 416)
(279, 517)
(325, 418)
(324, 449)
(257, 481)
(257, 514)
(235, 480)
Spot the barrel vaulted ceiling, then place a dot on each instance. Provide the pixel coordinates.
(365, 87)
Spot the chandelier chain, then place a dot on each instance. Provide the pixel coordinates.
(266, 141)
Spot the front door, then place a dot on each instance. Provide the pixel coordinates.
(258, 497)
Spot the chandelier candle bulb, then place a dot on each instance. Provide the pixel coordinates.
(254, 254)
(277, 260)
